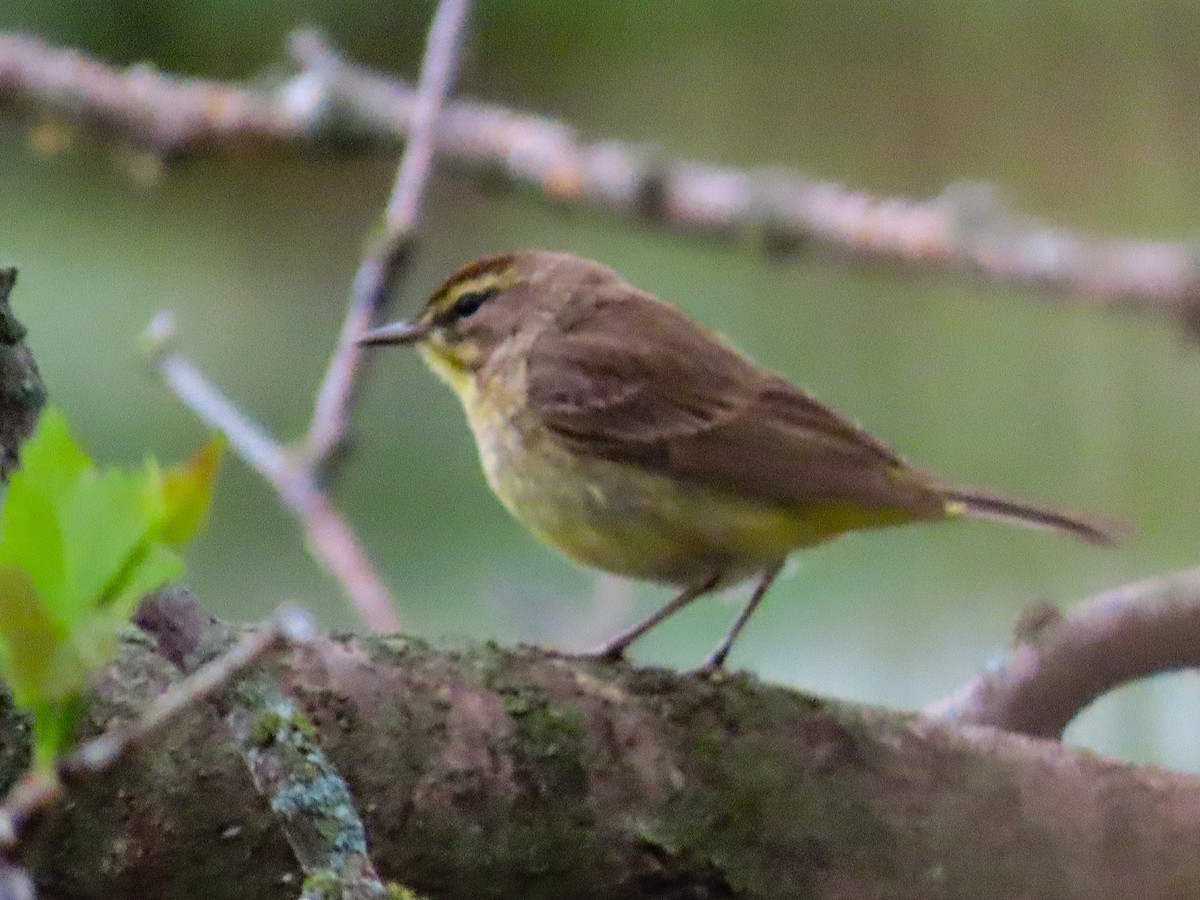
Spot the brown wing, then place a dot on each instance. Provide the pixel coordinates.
(701, 411)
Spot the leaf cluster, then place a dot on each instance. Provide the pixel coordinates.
(79, 547)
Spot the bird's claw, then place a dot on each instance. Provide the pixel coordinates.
(607, 653)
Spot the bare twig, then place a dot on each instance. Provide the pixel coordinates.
(139, 104)
(15, 882)
(37, 790)
(967, 228)
(383, 265)
(332, 542)
(248, 439)
(299, 477)
(289, 626)
(1062, 662)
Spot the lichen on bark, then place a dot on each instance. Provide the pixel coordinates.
(494, 773)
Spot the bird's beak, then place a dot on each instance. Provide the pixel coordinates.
(395, 333)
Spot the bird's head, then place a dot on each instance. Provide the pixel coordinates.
(487, 302)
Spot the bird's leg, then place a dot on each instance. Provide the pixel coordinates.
(616, 648)
(717, 661)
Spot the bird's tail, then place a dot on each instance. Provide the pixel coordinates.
(981, 505)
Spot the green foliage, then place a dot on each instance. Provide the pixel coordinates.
(79, 547)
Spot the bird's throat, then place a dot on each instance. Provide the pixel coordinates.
(450, 366)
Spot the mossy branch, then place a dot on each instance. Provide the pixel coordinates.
(494, 773)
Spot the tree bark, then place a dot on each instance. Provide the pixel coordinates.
(496, 773)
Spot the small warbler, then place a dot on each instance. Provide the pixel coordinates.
(632, 439)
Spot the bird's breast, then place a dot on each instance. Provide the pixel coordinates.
(620, 517)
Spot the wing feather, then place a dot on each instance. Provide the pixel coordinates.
(630, 378)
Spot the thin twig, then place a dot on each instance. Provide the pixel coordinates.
(437, 76)
(332, 102)
(329, 536)
(37, 790)
(308, 795)
(247, 438)
(299, 477)
(383, 266)
(15, 882)
(1062, 662)
(288, 626)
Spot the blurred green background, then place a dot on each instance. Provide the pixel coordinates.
(1087, 113)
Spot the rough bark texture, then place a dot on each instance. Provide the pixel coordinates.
(22, 393)
(489, 773)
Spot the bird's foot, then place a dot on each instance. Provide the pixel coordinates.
(611, 652)
(715, 665)
(711, 668)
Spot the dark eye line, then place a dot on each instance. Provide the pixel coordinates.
(468, 304)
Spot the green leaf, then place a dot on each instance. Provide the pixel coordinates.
(52, 458)
(30, 524)
(54, 730)
(105, 530)
(44, 674)
(188, 491)
(29, 635)
(79, 547)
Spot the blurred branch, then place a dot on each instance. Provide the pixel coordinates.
(299, 477)
(334, 103)
(1061, 662)
(330, 538)
(386, 261)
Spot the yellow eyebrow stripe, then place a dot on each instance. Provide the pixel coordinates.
(446, 297)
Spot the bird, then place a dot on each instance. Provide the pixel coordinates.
(635, 440)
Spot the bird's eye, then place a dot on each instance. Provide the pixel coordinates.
(469, 303)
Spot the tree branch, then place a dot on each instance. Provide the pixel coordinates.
(37, 790)
(22, 392)
(1061, 662)
(492, 773)
(278, 743)
(299, 477)
(332, 102)
(330, 538)
(384, 265)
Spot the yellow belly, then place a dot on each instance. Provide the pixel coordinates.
(637, 523)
